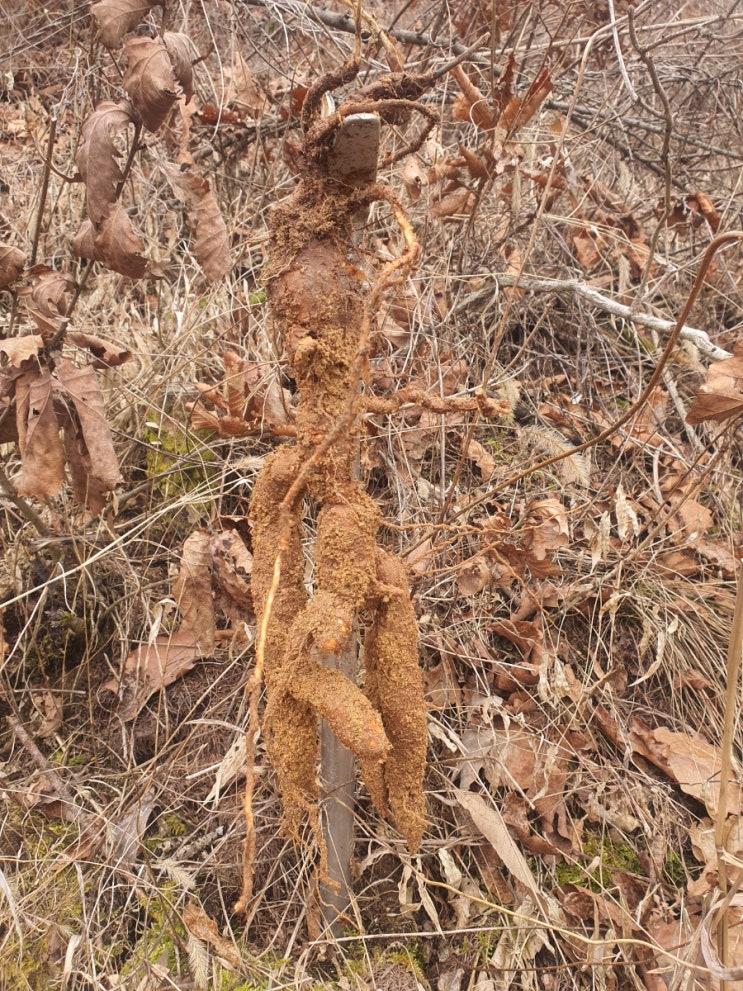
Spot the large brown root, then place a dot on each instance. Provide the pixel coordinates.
(323, 313)
(394, 684)
(291, 731)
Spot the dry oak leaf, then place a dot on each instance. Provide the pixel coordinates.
(120, 248)
(107, 355)
(721, 396)
(12, 263)
(46, 299)
(20, 349)
(81, 387)
(232, 565)
(149, 80)
(152, 666)
(211, 244)
(97, 155)
(546, 530)
(115, 17)
(182, 52)
(42, 451)
(192, 591)
(689, 760)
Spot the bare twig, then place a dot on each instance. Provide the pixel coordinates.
(44, 188)
(534, 283)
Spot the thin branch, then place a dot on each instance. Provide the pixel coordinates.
(44, 189)
(534, 284)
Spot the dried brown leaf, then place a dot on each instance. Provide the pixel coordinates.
(588, 248)
(48, 795)
(42, 451)
(182, 54)
(421, 558)
(12, 263)
(537, 93)
(721, 396)
(20, 349)
(482, 457)
(153, 666)
(126, 834)
(97, 156)
(115, 17)
(50, 705)
(107, 354)
(414, 178)
(86, 487)
(149, 80)
(232, 565)
(472, 105)
(81, 387)
(83, 243)
(474, 575)
(702, 204)
(192, 591)
(455, 205)
(46, 299)
(489, 822)
(546, 530)
(204, 927)
(120, 248)
(441, 685)
(689, 760)
(211, 245)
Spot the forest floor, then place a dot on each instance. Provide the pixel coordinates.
(572, 560)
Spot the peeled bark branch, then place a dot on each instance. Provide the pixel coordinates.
(535, 284)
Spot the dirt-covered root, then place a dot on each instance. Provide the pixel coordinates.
(291, 730)
(317, 306)
(324, 626)
(346, 550)
(395, 686)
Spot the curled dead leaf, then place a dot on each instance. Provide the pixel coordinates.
(107, 355)
(97, 156)
(182, 54)
(12, 263)
(46, 299)
(120, 248)
(211, 244)
(721, 396)
(149, 80)
(42, 451)
(115, 17)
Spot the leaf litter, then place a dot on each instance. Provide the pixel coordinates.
(566, 705)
